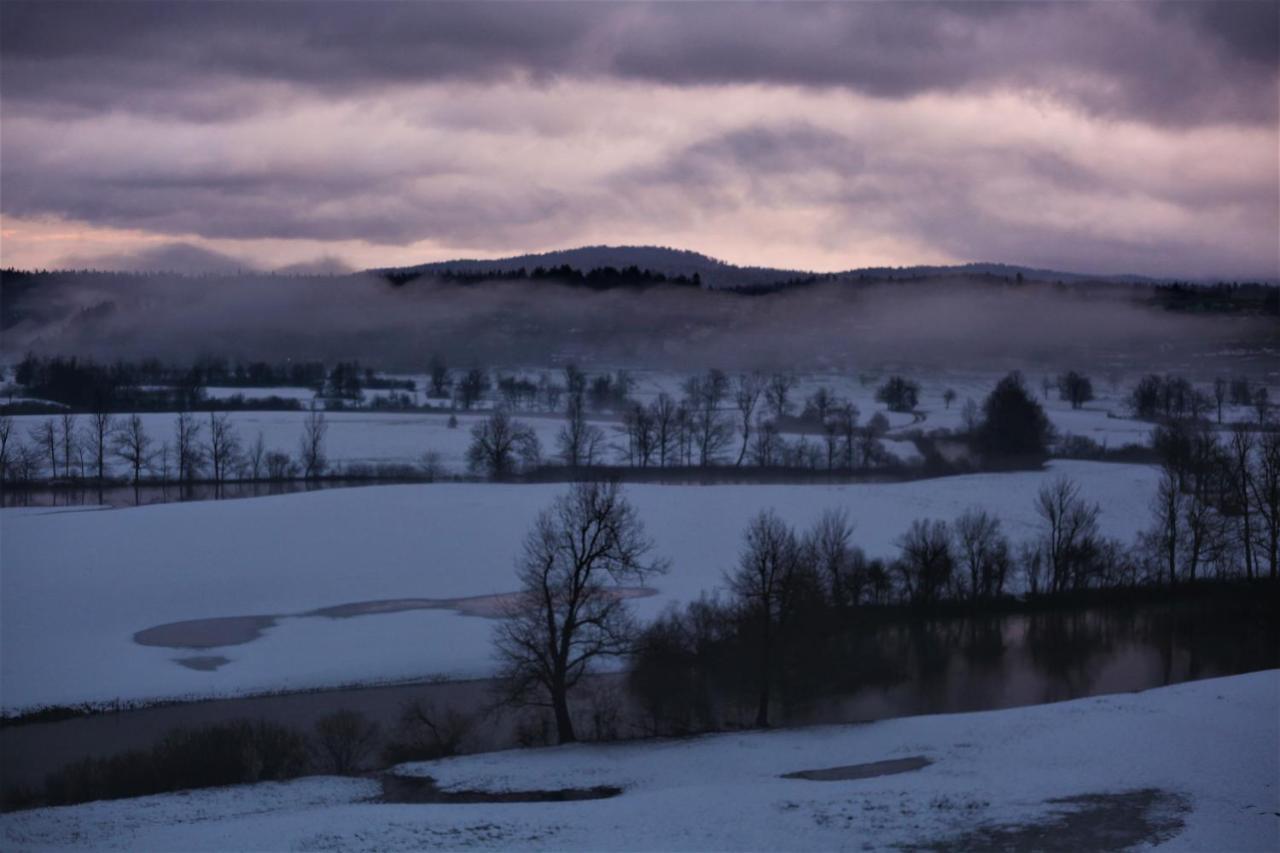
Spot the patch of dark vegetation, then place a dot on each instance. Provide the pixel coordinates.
(868, 770)
(1102, 822)
(225, 754)
(421, 790)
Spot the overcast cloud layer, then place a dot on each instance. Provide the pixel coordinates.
(1138, 137)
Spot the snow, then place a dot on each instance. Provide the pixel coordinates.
(78, 585)
(352, 438)
(284, 392)
(1211, 746)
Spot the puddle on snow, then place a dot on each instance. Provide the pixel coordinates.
(203, 663)
(862, 771)
(238, 630)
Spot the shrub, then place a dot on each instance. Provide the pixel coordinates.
(225, 754)
(344, 740)
(899, 394)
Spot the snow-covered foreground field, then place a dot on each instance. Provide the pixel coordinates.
(77, 585)
(1192, 767)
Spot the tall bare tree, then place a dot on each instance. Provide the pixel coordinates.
(578, 562)
(133, 445)
(255, 457)
(98, 435)
(186, 446)
(637, 423)
(663, 413)
(778, 394)
(579, 441)
(710, 431)
(45, 435)
(67, 438)
(1070, 532)
(1240, 460)
(1265, 488)
(223, 445)
(983, 553)
(311, 445)
(499, 445)
(762, 584)
(8, 445)
(747, 388)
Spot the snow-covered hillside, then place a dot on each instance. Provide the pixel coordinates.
(1192, 767)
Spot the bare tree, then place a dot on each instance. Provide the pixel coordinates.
(255, 457)
(766, 446)
(98, 434)
(1261, 404)
(637, 423)
(579, 441)
(1220, 394)
(1163, 538)
(186, 447)
(578, 561)
(279, 465)
(500, 445)
(133, 445)
(1239, 460)
(983, 552)
(8, 445)
(819, 405)
(926, 561)
(777, 394)
(223, 445)
(471, 387)
(1070, 532)
(67, 438)
(440, 381)
(844, 420)
(344, 741)
(949, 397)
(762, 584)
(708, 428)
(1075, 388)
(828, 545)
(663, 413)
(45, 435)
(1265, 489)
(311, 446)
(747, 388)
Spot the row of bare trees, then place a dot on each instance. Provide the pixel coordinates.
(1217, 507)
(209, 449)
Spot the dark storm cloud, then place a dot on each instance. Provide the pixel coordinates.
(1176, 63)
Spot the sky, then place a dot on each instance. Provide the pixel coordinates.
(1103, 137)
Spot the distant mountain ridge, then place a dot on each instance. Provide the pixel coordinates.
(716, 274)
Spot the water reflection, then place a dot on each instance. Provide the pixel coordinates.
(900, 667)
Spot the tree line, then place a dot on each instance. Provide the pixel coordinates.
(792, 591)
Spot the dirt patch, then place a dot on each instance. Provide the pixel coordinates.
(869, 770)
(1116, 821)
(423, 790)
(238, 630)
(203, 663)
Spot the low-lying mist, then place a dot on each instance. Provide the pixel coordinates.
(952, 322)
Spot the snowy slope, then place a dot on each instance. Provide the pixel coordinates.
(1204, 754)
(78, 585)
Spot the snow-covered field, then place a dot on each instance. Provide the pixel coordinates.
(1191, 767)
(352, 437)
(373, 437)
(78, 585)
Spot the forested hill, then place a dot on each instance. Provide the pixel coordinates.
(611, 265)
